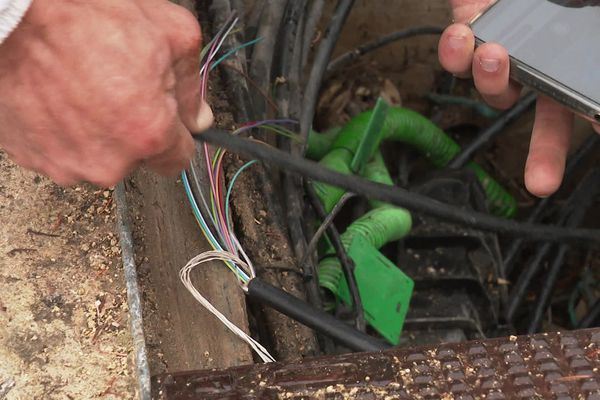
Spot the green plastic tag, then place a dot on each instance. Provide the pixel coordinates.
(385, 290)
(372, 137)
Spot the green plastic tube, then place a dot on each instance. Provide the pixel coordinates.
(379, 226)
(410, 127)
(376, 171)
(319, 144)
(338, 160)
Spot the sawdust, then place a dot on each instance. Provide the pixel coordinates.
(63, 311)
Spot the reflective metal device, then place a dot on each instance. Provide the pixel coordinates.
(554, 47)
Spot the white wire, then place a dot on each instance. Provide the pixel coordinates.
(250, 270)
(184, 275)
(218, 46)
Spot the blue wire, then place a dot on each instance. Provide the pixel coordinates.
(230, 52)
(205, 228)
(230, 188)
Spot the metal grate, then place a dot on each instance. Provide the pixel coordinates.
(559, 366)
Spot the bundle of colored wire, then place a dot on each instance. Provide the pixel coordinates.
(214, 216)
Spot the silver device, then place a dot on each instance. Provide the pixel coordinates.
(554, 47)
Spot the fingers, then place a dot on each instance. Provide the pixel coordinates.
(489, 64)
(548, 149)
(465, 10)
(491, 70)
(176, 156)
(185, 39)
(456, 48)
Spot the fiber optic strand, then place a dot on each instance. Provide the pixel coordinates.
(213, 217)
(210, 198)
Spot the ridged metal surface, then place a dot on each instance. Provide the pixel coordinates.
(558, 366)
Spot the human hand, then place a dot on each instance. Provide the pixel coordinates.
(489, 66)
(91, 89)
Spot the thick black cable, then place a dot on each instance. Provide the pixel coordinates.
(579, 204)
(311, 91)
(569, 216)
(352, 55)
(312, 317)
(591, 318)
(394, 195)
(345, 260)
(493, 130)
(510, 257)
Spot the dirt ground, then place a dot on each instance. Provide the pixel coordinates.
(63, 312)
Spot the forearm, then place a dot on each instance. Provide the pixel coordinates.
(11, 13)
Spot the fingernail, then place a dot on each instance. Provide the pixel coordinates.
(457, 42)
(489, 64)
(205, 117)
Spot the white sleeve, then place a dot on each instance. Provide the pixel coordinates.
(11, 13)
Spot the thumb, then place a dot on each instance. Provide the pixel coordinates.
(203, 120)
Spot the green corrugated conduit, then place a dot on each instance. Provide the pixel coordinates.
(378, 227)
(408, 127)
(384, 224)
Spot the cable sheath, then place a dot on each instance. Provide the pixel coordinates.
(312, 317)
(395, 195)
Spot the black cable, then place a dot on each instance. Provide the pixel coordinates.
(579, 204)
(352, 55)
(289, 60)
(547, 289)
(345, 260)
(310, 27)
(312, 317)
(591, 317)
(493, 130)
(519, 290)
(326, 223)
(394, 195)
(311, 91)
(262, 55)
(569, 216)
(582, 152)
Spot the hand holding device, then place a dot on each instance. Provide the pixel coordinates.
(489, 65)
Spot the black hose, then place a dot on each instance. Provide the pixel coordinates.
(352, 55)
(314, 318)
(492, 131)
(510, 257)
(570, 215)
(311, 92)
(580, 202)
(590, 319)
(393, 194)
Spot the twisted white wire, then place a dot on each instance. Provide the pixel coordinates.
(184, 275)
